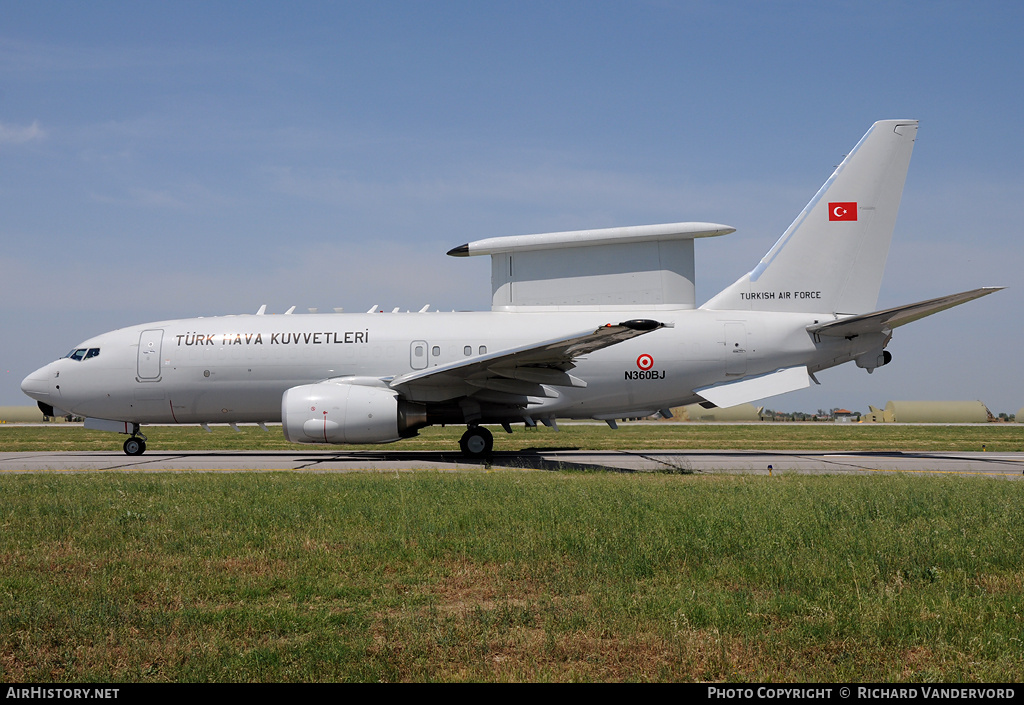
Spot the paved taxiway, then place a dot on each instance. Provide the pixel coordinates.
(997, 465)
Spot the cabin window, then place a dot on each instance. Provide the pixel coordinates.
(436, 350)
(468, 350)
(483, 349)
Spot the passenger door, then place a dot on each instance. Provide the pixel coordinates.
(150, 343)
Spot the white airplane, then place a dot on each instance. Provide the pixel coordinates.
(591, 324)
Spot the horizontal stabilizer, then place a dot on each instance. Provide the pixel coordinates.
(883, 321)
(742, 391)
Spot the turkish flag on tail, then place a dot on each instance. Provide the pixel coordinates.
(842, 211)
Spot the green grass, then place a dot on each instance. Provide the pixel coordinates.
(646, 436)
(509, 576)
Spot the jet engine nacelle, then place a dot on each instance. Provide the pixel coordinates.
(331, 412)
(873, 359)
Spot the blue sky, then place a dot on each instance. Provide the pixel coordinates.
(163, 160)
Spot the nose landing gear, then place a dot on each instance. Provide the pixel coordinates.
(136, 445)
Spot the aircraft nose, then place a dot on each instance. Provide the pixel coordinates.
(38, 385)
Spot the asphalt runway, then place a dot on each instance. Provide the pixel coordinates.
(994, 465)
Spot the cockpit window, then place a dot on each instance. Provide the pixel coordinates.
(83, 354)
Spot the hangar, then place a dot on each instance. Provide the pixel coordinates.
(929, 412)
(22, 414)
(742, 412)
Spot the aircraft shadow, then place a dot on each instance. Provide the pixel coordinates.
(526, 459)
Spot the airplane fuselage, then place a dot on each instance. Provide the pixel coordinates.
(236, 368)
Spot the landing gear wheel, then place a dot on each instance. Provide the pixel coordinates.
(134, 446)
(476, 442)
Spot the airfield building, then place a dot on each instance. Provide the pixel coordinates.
(21, 414)
(929, 412)
(742, 412)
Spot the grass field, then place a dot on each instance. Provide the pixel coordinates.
(514, 575)
(1005, 437)
(509, 576)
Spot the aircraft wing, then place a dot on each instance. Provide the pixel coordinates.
(519, 372)
(885, 321)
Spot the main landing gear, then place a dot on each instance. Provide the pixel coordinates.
(477, 442)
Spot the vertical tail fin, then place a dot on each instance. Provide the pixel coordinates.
(831, 259)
